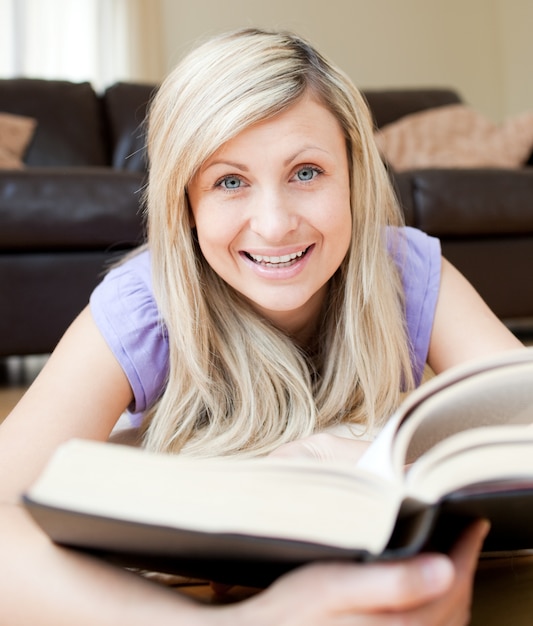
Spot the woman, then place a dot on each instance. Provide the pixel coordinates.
(278, 298)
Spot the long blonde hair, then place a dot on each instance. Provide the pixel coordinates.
(236, 384)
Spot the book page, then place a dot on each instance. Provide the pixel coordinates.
(378, 457)
(498, 454)
(292, 499)
(448, 403)
(495, 397)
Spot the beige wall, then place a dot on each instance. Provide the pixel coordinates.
(480, 47)
(516, 19)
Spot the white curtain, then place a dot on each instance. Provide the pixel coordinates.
(101, 41)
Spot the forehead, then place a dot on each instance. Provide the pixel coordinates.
(306, 122)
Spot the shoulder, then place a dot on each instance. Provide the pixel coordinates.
(126, 292)
(126, 313)
(420, 264)
(412, 248)
(419, 260)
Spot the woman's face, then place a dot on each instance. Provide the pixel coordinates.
(272, 212)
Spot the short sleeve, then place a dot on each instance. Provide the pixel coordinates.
(419, 260)
(125, 312)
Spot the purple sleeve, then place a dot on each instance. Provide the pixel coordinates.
(420, 266)
(126, 314)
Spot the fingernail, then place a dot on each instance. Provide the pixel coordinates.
(486, 528)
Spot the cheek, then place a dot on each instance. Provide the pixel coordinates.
(215, 234)
(342, 239)
(338, 225)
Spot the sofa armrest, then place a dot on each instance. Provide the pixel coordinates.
(402, 184)
(472, 202)
(44, 209)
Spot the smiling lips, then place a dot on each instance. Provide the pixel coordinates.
(276, 261)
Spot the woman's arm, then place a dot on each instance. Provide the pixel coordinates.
(81, 392)
(464, 327)
(44, 585)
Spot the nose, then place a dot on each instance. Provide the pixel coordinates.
(273, 216)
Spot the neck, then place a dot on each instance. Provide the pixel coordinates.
(301, 324)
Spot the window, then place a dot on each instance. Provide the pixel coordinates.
(100, 41)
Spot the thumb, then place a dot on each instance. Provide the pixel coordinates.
(372, 587)
(400, 585)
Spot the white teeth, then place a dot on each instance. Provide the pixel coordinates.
(286, 258)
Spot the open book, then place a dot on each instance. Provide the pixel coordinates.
(460, 447)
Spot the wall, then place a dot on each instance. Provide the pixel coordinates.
(516, 19)
(475, 46)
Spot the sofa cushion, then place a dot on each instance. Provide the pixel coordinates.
(455, 136)
(43, 209)
(70, 129)
(15, 133)
(472, 203)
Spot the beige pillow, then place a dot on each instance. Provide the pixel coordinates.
(16, 132)
(455, 136)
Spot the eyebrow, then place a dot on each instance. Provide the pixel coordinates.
(233, 164)
(294, 156)
(245, 168)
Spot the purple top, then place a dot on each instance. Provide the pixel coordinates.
(126, 314)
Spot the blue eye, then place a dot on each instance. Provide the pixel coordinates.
(307, 173)
(230, 182)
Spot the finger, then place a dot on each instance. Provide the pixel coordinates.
(466, 551)
(403, 585)
(379, 587)
(454, 608)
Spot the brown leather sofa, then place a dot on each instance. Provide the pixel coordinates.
(75, 207)
(72, 210)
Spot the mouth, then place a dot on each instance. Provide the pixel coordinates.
(277, 261)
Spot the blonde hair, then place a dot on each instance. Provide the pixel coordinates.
(236, 384)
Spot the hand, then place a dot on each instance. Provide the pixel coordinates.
(324, 447)
(427, 590)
